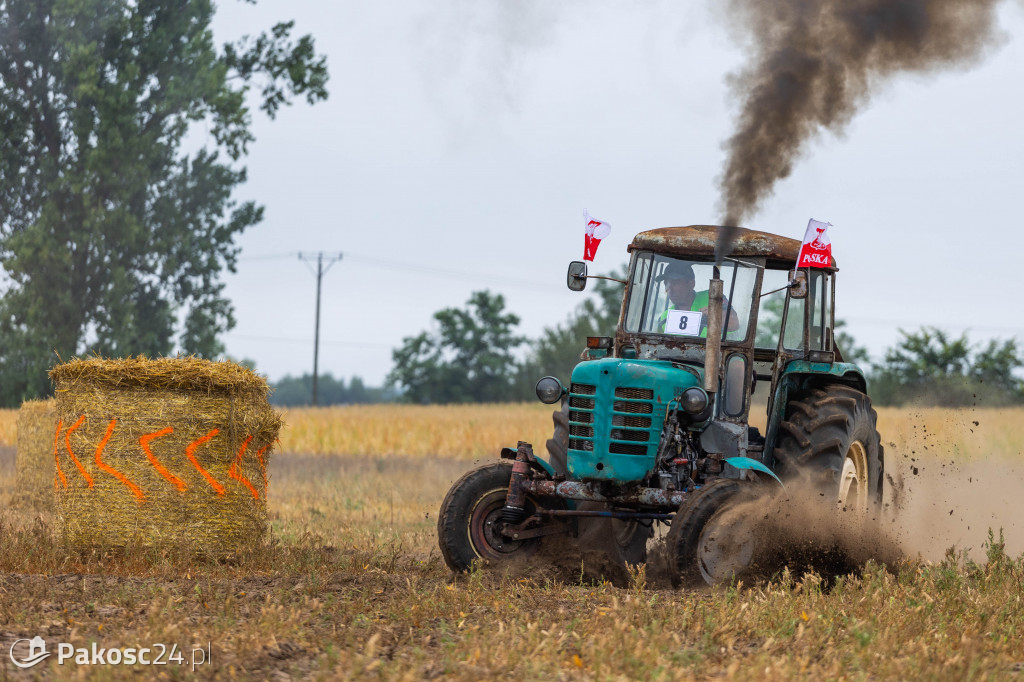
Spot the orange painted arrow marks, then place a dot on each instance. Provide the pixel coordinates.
(67, 443)
(56, 456)
(144, 441)
(136, 490)
(190, 452)
(233, 469)
(263, 465)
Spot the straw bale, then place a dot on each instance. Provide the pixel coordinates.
(170, 451)
(34, 472)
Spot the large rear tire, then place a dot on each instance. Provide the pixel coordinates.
(469, 522)
(829, 438)
(711, 539)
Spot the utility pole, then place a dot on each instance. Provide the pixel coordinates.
(320, 272)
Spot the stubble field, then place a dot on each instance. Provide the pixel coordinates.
(351, 584)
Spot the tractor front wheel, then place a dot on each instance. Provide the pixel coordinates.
(470, 522)
(711, 539)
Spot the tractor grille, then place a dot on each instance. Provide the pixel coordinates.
(585, 417)
(634, 393)
(629, 434)
(581, 403)
(581, 431)
(631, 419)
(635, 408)
(627, 449)
(623, 420)
(638, 428)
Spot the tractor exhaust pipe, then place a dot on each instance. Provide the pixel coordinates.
(713, 349)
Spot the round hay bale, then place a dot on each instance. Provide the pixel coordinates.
(172, 451)
(33, 457)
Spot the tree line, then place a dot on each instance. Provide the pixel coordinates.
(471, 357)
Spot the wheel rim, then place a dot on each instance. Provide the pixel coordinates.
(724, 547)
(853, 481)
(484, 526)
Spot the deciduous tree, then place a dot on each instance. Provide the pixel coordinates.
(468, 359)
(112, 236)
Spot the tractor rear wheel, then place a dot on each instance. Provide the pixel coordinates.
(829, 436)
(711, 539)
(470, 520)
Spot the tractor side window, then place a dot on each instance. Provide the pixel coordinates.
(769, 313)
(638, 291)
(819, 302)
(819, 299)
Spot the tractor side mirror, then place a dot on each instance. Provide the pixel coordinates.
(797, 284)
(576, 278)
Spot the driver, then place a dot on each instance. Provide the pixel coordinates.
(679, 285)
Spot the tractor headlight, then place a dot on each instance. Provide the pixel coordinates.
(693, 400)
(549, 390)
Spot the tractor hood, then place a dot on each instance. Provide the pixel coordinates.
(617, 409)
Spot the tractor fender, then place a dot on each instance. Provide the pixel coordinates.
(736, 467)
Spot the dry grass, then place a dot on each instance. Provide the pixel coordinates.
(461, 432)
(353, 588)
(8, 426)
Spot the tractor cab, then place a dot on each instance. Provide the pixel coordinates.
(770, 314)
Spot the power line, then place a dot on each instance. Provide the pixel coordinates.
(390, 264)
(283, 339)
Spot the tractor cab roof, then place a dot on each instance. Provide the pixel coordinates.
(699, 240)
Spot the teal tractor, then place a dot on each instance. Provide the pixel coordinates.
(654, 423)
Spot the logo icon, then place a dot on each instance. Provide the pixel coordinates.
(818, 244)
(36, 652)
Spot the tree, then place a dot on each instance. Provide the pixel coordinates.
(113, 238)
(469, 359)
(558, 349)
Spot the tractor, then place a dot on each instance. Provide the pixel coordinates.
(653, 426)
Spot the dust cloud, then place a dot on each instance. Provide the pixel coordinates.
(936, 505)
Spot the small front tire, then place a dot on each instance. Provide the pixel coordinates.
(711, 539)
(470, 521)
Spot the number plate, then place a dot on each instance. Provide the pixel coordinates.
(683, 322)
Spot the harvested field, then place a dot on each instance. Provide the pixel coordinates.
(352, 585)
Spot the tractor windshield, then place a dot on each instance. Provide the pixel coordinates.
(670, 296)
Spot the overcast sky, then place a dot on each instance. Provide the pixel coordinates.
(463, 139)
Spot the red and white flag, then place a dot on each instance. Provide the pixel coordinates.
(596, 231)
(816, 251)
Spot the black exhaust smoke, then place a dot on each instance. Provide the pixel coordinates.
(815, 63)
